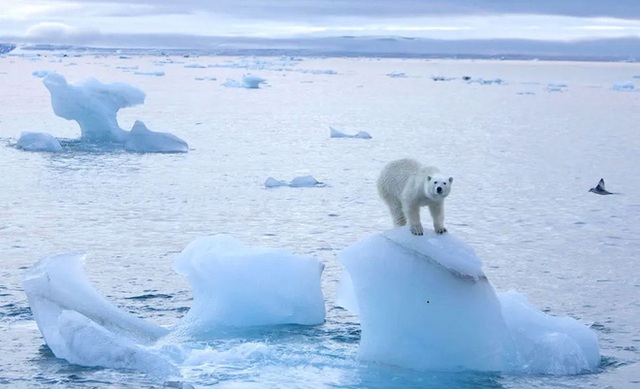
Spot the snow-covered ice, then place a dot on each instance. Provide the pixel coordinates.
(425, 303)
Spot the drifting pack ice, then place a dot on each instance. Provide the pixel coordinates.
(424, 303)
(94, 106)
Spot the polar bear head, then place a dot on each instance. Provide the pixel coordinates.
(437, 187)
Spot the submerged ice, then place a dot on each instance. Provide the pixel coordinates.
(94, 106)
(425, 303)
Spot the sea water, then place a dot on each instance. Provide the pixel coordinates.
(523, 153)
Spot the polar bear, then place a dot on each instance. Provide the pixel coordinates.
(405, 186)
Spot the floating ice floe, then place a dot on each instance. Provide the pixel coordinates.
(333, 133)
(556, 87)
(297, 182)
(94, 106)
(38, 141)
(195, 66)
(284, 288)
(483, 81)
(81, 326)
(156, 73)
(425, 303)
(205, 79)
(143, 140)
(442, 78)
(248, 81)
(397, 75)
(623, 86)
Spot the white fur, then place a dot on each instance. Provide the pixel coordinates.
(406, 186)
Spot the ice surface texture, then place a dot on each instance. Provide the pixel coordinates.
(425, 303)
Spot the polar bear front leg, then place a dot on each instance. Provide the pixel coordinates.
(412, 211)
(437, 213)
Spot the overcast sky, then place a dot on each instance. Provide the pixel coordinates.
(94, 22)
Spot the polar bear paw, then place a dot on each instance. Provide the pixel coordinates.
(417, 229)
(440, 230)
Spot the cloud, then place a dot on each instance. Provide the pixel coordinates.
(55, 32)
(323, 9)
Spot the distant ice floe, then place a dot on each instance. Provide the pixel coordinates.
(444, 314)
(485, 81)
(156, 73)
(248, 81)
(442, 78)
(297, 182)
(397, 75)
(339, 134)
(281, 64)
(624, 86)
(206, 79)
(94, 106)
(195, 66)
(557, 87)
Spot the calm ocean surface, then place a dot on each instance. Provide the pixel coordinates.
(523, 154)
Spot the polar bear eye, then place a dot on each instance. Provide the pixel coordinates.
(435, 182)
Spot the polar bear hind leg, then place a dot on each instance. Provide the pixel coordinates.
(397, 214)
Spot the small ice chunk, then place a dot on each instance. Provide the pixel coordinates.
(38, 141)
(143, 140)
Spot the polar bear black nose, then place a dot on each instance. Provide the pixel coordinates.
(439, 189)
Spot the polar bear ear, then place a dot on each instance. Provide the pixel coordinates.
(428, 178)
(450, 180)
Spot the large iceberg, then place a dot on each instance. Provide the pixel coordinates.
(94, 106)
(425, 303)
